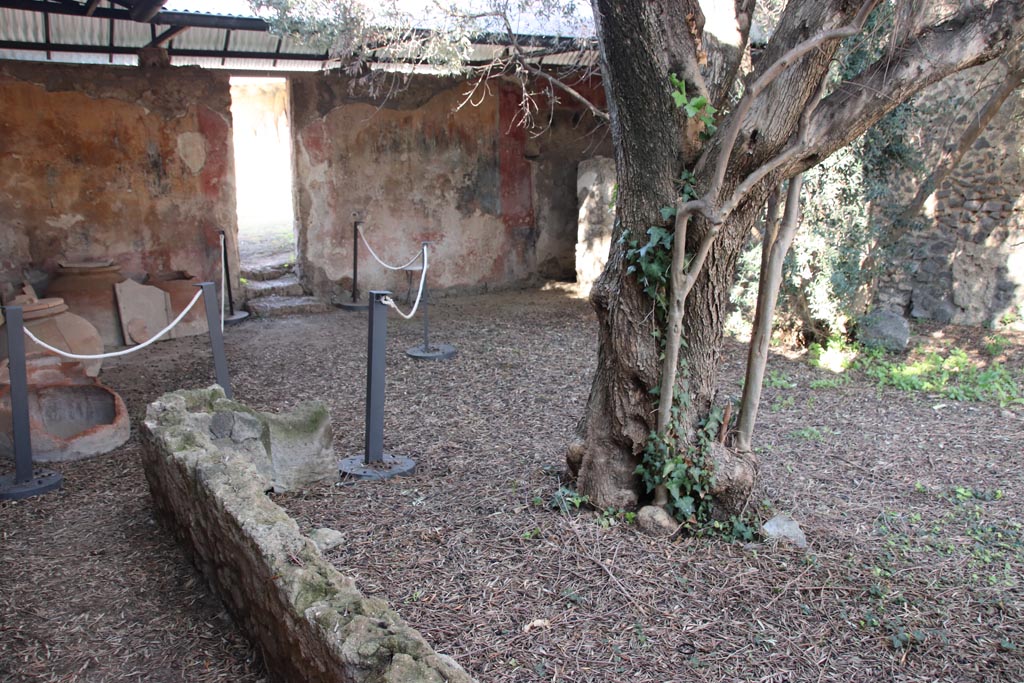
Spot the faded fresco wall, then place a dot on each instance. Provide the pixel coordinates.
(128, 164)
(497, 204)
(967, 265)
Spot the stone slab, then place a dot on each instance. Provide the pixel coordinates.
(144, 310)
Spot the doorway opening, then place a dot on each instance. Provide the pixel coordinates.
(263, 172)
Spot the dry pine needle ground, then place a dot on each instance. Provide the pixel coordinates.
(912, 505)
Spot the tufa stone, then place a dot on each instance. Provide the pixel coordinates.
(326, 539)
(782, 526)
(885, 329)
(221, 425)
(654, 521)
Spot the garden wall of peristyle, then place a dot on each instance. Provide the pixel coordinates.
(101, 162)
(422, 162)
(966, 264)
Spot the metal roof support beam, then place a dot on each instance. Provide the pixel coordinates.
(46, 28)
(172, 52)
(162, 18)
(159, 40)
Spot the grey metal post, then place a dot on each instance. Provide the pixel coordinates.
(355, 260)
(375, 350)
(220, 360)
(354, 305)
(426, 318)
(374, 463)
(19, 395)
(27, 481)
(426, 351)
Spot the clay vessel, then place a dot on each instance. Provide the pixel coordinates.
(71, 415)
(88, 289)
(181, 287)
(50, 320)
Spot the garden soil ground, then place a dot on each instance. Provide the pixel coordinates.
(912, 505)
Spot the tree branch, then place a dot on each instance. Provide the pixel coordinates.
(737, 118)
(523, 61)
(972, 37)
(774, 250)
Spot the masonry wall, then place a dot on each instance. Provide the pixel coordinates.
(310, 622)
(420, 163)
(122, 163)
(966, 265)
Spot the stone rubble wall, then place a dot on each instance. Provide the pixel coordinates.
(966, 265)
(310, 622)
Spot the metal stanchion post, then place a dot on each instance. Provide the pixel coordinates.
(220, 360)
(26, 480)
(375, 463)
(426, 351)
(375, 350)
(355, 305)
(233, 315)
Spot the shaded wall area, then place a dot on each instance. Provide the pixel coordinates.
(128, 164)
(422, 164)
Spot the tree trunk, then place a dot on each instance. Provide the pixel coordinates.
(619, 415)
(784, 131)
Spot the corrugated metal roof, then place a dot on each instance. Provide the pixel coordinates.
(214, 34)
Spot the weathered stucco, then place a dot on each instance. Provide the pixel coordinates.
(418, 167)
(128, 164)
(311, 623)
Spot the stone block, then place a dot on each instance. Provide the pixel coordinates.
(884, 329)
(301, 450)
(928, 306)
(595, 183)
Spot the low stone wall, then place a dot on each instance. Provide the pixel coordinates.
(311, 623)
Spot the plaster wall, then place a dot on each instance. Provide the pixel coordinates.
(497, 205)
(101, 162)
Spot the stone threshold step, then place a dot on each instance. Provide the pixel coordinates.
(271, 306)
(287, 285)
(261, 273)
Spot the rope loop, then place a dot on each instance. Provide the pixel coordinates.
(413, 260)
(388, 301)
(123, 352)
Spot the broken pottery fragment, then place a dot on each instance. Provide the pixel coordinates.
(87, 287)
(71, 415)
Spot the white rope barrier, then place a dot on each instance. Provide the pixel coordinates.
(387, 300)
(389, 267)
(124, 352)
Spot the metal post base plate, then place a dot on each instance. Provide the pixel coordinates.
(236, 317)
(432, 352)
(353, 306)
(354, 467)
(42, 481)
